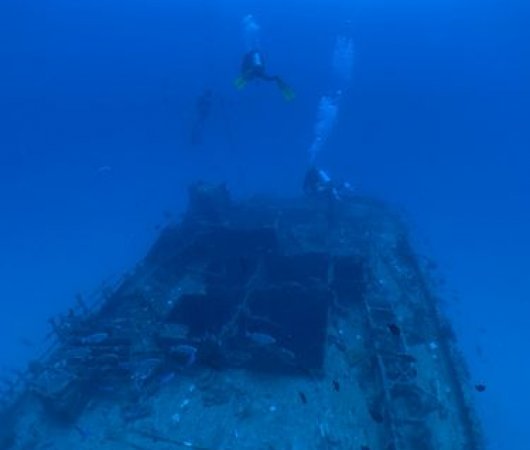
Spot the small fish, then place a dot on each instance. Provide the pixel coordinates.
(261, 338)
(394, 329)
(376, 415)
(93, 339)
(303, 397)
(480, 387)
(336, 385)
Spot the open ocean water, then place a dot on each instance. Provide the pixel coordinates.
(108, 110)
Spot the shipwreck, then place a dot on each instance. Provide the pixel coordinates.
(264, 324)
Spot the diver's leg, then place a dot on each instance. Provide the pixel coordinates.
(285, 89)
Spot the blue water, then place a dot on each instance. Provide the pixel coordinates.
(97, 103)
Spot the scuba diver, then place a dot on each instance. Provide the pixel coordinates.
(319, 187)
(317, 183)
(203, 107)
(253, 68)
(252, 65)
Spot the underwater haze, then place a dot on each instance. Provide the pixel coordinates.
(109, 110)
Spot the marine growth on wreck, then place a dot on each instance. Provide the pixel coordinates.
(260, 324)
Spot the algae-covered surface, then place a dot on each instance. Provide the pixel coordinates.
(261, 324)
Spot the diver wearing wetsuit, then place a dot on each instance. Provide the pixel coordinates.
(253, 67)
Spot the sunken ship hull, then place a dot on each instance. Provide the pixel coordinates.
(265, 324)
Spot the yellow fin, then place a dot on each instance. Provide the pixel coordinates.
(240, 82)
(287, 92)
